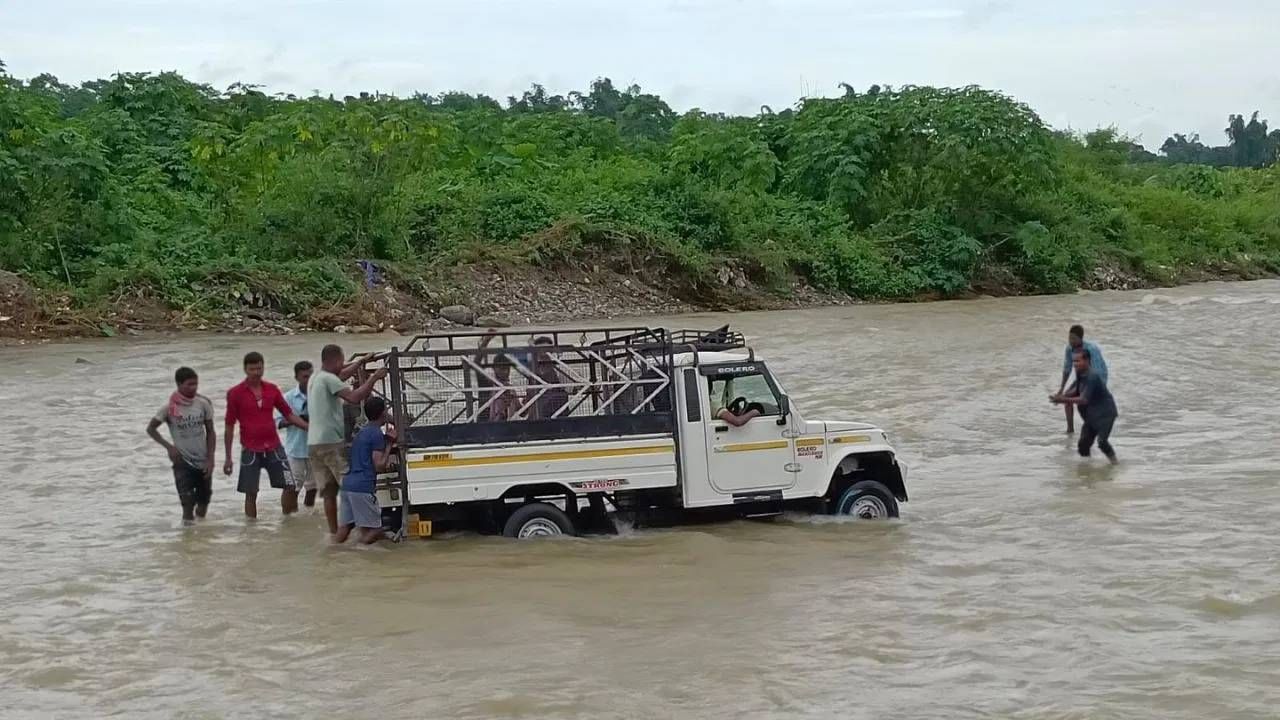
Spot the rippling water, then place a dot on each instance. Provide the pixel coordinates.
(1022, 582)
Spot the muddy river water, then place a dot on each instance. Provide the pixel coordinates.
(1021, 581)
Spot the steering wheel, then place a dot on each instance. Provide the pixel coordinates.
(739, 406)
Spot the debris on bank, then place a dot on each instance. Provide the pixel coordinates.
(489, 295)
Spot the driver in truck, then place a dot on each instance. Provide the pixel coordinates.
(742, 417)
(737, 412)
(736, 420)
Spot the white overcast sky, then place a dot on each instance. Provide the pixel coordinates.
(1150, 67)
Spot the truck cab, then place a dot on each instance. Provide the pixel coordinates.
(777, 455)
(566, 431)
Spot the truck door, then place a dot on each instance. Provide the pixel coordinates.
(759, 455)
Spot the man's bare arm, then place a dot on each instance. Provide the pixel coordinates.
(227, 438)
(738, 420)
(210, 445)
(153, 429)
(351, 368)
(358, 395)
(484, 343)
(382, 458)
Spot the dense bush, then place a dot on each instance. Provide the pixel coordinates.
(152, 184)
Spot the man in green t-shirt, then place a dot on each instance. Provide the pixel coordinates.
(326, 392)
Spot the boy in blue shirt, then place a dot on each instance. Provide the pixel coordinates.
(1076, 343)
(357, 502)
(295, 441)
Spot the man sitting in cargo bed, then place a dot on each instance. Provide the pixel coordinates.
(494, 379)
(549, 399)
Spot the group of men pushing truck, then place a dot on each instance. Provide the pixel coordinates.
(313, 457)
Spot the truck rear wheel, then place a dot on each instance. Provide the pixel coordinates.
(537, 520)
(867, 500)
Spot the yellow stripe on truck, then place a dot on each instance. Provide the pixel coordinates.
(810, 442)
(448, 460)
(852, 439)
(748, 447)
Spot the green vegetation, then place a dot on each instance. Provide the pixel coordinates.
(152, 187)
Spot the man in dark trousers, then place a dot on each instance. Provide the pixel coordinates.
(189, 416)
(1097, 406)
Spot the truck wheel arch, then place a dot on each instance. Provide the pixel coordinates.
(537, 490)
(879, 466)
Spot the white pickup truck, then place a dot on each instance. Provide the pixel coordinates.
(569, 432)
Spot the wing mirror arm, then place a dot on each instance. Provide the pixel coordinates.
(784, 407)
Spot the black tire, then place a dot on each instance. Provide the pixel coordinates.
(868, 500)
(537, 520)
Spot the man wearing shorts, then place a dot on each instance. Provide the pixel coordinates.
(358, 502)
(189, 416)
(295, 439)
(252, 404)
(326, 392)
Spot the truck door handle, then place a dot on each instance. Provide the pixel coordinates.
(722, 428)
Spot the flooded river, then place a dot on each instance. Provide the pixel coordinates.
(1021, 581)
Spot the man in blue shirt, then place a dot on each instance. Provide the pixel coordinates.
(1076, 342)
(357, 501)
(295, 441)
(1097, 407)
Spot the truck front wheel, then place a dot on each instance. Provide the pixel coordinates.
(538, 520)
(867, 500)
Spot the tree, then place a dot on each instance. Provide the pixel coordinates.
(536, 99)
(459, 102)
(725, 154)
(602, 100)
(1249, 145)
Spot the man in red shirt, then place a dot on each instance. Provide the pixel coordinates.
(253, 403)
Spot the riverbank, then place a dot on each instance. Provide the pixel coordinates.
(465, 295)
(483, 295)
(198, 214)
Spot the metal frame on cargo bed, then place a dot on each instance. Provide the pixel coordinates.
(595, 382)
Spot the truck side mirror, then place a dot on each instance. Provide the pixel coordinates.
(784, 409)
